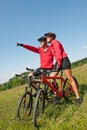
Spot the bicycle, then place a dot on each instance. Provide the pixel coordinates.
(42, 94)
(26, 101)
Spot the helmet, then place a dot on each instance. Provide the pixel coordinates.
(50, 34)
(43, 38)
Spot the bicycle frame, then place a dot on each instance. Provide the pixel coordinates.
(46, 80)
(61, 93)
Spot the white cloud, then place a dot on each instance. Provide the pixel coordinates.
(84, 46)
(5, 77)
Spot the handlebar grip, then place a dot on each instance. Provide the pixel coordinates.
(17, 75)
(29, 69)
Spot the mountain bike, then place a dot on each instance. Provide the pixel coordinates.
(26, 101)
(62, 89)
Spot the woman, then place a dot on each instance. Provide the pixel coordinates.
(62, 61)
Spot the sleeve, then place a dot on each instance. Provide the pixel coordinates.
(31, 48)
(58, 49)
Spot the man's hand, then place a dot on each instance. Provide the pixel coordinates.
(19, 44)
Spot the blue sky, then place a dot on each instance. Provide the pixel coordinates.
(26, 20)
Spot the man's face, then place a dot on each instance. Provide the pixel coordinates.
(43, 43)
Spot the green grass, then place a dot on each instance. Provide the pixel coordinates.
(66, 116)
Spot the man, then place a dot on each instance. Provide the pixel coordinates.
(44, 50)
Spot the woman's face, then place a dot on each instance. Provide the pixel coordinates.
(49, 39)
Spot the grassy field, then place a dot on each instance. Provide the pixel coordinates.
(66, 116)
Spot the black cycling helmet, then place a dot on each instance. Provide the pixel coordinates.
(50, 34)
(42, 39)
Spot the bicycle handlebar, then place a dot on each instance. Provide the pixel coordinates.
(19, 75)
(30, 69)
(41, 71)
(37, 72)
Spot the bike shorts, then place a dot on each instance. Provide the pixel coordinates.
(65, 64)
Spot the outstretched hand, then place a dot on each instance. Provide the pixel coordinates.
(19, 44)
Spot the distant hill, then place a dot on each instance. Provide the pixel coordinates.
(15, 81)
(79, 62)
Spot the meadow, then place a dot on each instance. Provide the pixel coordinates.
(66, 116)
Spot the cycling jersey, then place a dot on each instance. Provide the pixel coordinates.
(46, 56)
(59, 52)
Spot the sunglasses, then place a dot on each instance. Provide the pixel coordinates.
(41, 41)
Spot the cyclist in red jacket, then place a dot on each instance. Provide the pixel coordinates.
(62, 61)
(44, 50)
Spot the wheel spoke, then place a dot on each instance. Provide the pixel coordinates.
(25, 106)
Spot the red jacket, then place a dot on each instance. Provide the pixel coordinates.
(46, 57)
(59, 52)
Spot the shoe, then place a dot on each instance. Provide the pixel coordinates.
(78, 100)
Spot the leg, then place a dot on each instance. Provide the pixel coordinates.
(30, 74)
(54, 74)
(53, 81)
(55, 84)
(68, 74)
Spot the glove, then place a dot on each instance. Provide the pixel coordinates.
(56, 67)
(19, 44)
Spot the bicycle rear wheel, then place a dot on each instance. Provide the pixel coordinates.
(38, 107)
(25, 106)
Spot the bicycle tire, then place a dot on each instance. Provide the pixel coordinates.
(38, 107)
(24, 106)
(76, 82)
(67, 87)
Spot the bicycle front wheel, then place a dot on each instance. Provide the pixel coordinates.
(25, 106)
(39, 107)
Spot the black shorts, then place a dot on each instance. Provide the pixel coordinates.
(65, 64)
